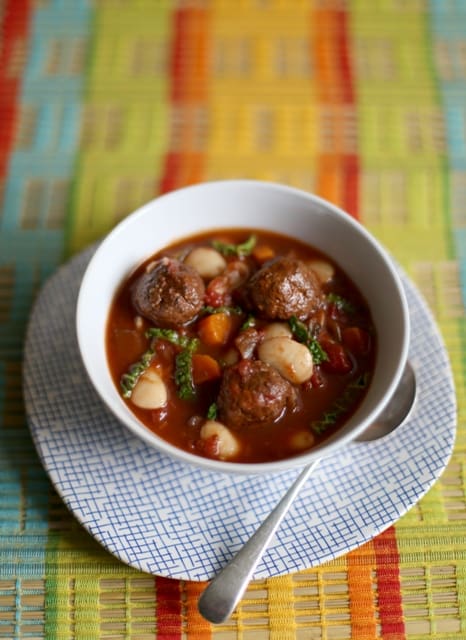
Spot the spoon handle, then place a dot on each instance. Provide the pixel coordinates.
(220, 598)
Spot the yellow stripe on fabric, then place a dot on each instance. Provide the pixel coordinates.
(86, 610)
(87, 585)
(281, 610)
(59, 617)
(124, 132)
(263, 115)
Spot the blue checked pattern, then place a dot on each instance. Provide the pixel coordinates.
(167, 519)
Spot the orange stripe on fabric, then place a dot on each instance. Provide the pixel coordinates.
(197, 627)
(338, 172)
(190, 63)
(168, 609)
(190, 59)
(324, 54)
(389, 586)
(360, 566)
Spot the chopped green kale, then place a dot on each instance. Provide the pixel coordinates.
(302, 334)
(341, 303)
(342, 405)
(129, 379)
(239, 250)
(212, 411)
(183, 360)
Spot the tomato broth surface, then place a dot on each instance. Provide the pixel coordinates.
(241, 345)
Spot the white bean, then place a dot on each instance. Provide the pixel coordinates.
(228, 445)
(139, 323)
(323, 270)
(277, 329)
(231, 357)
(292, 359)
(150, 391)
(208, 262)
(301, 440)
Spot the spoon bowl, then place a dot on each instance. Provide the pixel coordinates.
(221, 596)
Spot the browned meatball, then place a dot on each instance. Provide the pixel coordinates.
(169, 294)
(252, 393)
(283, 288)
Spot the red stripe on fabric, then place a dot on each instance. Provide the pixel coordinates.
(170, 172)
(351, 162)
(344, 62)
(389, 586)
(15, 26)
(181, 169)
(351, 185)
(168, 609)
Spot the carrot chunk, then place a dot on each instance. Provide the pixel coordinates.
(205, 368)
(262, 253)
(215, 330)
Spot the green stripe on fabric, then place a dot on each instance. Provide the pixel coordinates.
(402, 178)
(125, 126)
(446, 34)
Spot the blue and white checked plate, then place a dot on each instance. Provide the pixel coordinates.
(167, 519)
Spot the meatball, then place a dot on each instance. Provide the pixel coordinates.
(169, 294)
(283, 288)
(253, 393)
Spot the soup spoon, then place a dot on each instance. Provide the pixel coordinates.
(221, 596)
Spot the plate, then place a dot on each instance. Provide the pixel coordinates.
(167, 519)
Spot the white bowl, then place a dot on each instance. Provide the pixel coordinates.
(250, 204)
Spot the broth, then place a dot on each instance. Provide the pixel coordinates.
(228, 342)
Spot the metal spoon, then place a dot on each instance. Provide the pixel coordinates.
(220, 598)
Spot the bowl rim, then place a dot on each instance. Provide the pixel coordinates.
(137, 428)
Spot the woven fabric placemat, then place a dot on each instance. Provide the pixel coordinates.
(105, 104)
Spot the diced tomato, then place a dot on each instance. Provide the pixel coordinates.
(215, 297)
(209, 446)
(338, 358)
(219, 290)
(357, 340)
(317, 380)
(336, 313)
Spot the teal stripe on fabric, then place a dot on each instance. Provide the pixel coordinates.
(448, 28)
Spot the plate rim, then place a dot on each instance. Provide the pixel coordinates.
(84, 256)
